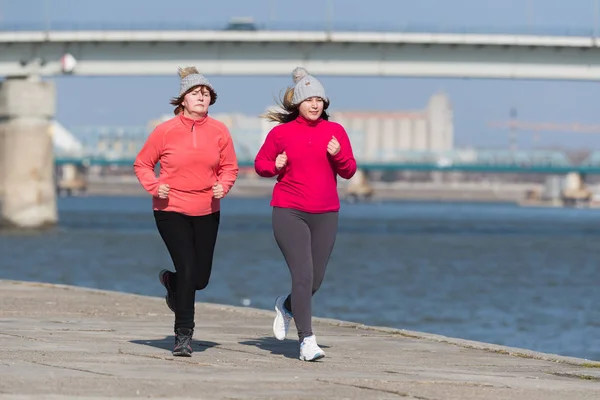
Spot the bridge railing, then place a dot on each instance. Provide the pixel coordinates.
(323, 26)
(592, 161)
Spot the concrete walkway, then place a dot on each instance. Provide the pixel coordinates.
(60, 342)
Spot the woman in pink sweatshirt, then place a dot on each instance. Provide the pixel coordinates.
(306, 153)
(198, 167)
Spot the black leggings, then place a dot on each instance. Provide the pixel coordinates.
(191, 244)
(306, 241)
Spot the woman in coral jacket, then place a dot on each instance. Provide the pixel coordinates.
(306, 152)
(198, 167)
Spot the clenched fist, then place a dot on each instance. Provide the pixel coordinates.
(333, 147)
(281, 161)
(218, 191)
(163, 191)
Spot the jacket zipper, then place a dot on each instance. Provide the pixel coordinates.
(194, 133)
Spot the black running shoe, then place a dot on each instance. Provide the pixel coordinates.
(165, 279)
(183, 342)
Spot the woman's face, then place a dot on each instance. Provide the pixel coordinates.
(311, 108)
(196, 102)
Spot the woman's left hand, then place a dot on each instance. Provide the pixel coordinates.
(218, 191)
(333, 147)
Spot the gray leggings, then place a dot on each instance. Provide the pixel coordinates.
(306, 241)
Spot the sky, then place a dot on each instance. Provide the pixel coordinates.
(84, 101)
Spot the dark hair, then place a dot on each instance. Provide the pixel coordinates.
(177, 101)
(289, 111)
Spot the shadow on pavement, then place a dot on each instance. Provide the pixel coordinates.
(168, 342)
(287, 348)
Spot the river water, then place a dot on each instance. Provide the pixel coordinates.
(498, 273)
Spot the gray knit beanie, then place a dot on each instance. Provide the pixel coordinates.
(306, 86)
(190, 77)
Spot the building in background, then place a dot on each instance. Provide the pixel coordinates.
(246, 132)
(385, 134)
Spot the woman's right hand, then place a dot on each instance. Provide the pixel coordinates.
(281, 161)
(163, 191)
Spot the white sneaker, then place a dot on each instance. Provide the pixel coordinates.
(310, 350)
(281, 325)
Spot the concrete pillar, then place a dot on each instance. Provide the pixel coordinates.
(359, 187)
(28, 197)
(69, 172)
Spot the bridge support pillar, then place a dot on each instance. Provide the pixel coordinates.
(575, 191)
(359, 187)
(71, 180)
(27, 190)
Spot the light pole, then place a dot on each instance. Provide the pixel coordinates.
(272, 11)
(512, 136)
(329, 16)
(596, 12)
(530, 15)
(47, 15)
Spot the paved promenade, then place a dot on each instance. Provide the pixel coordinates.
(60, 342)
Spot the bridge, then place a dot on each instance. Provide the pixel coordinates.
(118, 146)
(126, 50)
(29, 53)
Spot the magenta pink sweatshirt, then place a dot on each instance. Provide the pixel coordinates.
(309, 180)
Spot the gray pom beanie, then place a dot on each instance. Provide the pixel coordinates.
(306, 86)
(190, 77)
